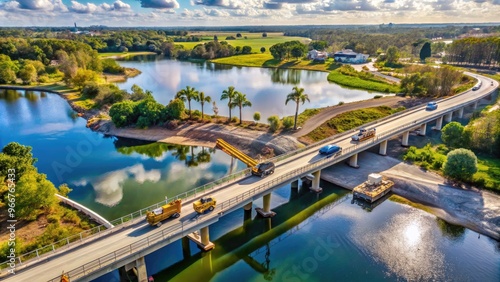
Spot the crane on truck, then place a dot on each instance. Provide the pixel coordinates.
(156, 216)
(364, 134)
(258, 169)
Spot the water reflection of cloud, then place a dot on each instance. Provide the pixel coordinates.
(48, 128)
(406, 245)
(109, 187)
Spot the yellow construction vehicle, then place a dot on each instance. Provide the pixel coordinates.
(204, 204)
(172, 209)
(262, 169)
(64, 277)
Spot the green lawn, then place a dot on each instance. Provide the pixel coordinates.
(254, 40)
(267, 61)
(356, 82)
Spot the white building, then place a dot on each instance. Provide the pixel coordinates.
(317, 55)
(348, 56)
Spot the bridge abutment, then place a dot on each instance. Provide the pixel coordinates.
(315, 182)
(383, 148)
(266, 211)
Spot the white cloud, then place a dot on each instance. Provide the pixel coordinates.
(91, 8)
(160, 4)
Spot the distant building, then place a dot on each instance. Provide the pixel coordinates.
(348, 56)
(317, 55)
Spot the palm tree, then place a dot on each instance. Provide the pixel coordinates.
(229, 94)
(297, 96)
(241, 101)
(202, 99)
(188, 94)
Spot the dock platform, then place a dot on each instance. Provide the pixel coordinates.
(371, 192)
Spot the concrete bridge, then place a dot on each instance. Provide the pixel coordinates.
(128, 244)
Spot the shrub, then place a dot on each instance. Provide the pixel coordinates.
(234, 119)
(341, 103)
(274, 123)
(256, 117)
(377, 96)
(90, 89)
(51, 218)
(71, 216)
(460, 164)
(287, 122)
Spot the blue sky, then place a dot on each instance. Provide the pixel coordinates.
(243, 12)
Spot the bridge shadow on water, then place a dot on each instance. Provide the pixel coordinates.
(256, 234)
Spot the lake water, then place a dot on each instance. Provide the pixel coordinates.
(314, 237)
(265, 88)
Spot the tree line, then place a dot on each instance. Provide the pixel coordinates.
(476, 51)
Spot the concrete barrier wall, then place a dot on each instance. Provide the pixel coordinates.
(95, 216)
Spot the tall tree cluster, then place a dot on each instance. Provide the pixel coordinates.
(477, 51)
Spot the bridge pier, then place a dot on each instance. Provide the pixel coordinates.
(353, 161)
(439, 123)
(266, 210)
(423, 129)
(140, 270)
(474, 106)
(383, 148)
(461, 113)
(315, 183)
(248, 206)
(202, 239)
(295, 184)
(186, 249)
(404, 141)
(448, 116)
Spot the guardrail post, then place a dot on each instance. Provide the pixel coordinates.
(37, 254)
(53, 249)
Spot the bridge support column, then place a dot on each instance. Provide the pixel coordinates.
(186, 249)
(353, 161)
(295, 184)
(461, 113)
(448, 117)
(423, 129)
(404, 141)
(315, 183)
(439, 123)
(202, 239)
(140, 270)
(383, 148)
(474, 106)
(266, 210)
(248, 206)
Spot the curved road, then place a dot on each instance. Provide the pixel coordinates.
(123, 238)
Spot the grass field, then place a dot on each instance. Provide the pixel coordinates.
(267, 61)
(356, 82)
(254, 40)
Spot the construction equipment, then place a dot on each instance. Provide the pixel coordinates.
(204, 204)
(64, 277)
(172, 209)
(261, 169)
(364, 134)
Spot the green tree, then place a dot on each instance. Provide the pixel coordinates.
(246, 50)
(16, 156)
(149, 113)
(229, 94)
(262, 49)
(451, 134)
(83, 76)
(203, 99)
(190, 93)
(8, 69)
(33, 192)
(139, 94)
(287, 122)
(240, 100)
(27, 74)
(318, 45)
(297, 51)
(425, 52)
(256, 117)
(64, 190)
(392, 55)
(175, 109)
(274, 123)
(123, 113)
(297, 96)
(264, 34)
(460, 164)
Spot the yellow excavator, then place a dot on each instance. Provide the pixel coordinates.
(259, 169)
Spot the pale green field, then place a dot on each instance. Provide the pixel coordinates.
(124, 54)
(254, 40)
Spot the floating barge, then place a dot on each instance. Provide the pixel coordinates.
(373, 189)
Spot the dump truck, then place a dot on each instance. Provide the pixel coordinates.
(204, 204)
(172, 209)
(364, 134)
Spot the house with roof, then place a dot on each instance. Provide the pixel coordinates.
(317, 55)
(349, 56)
